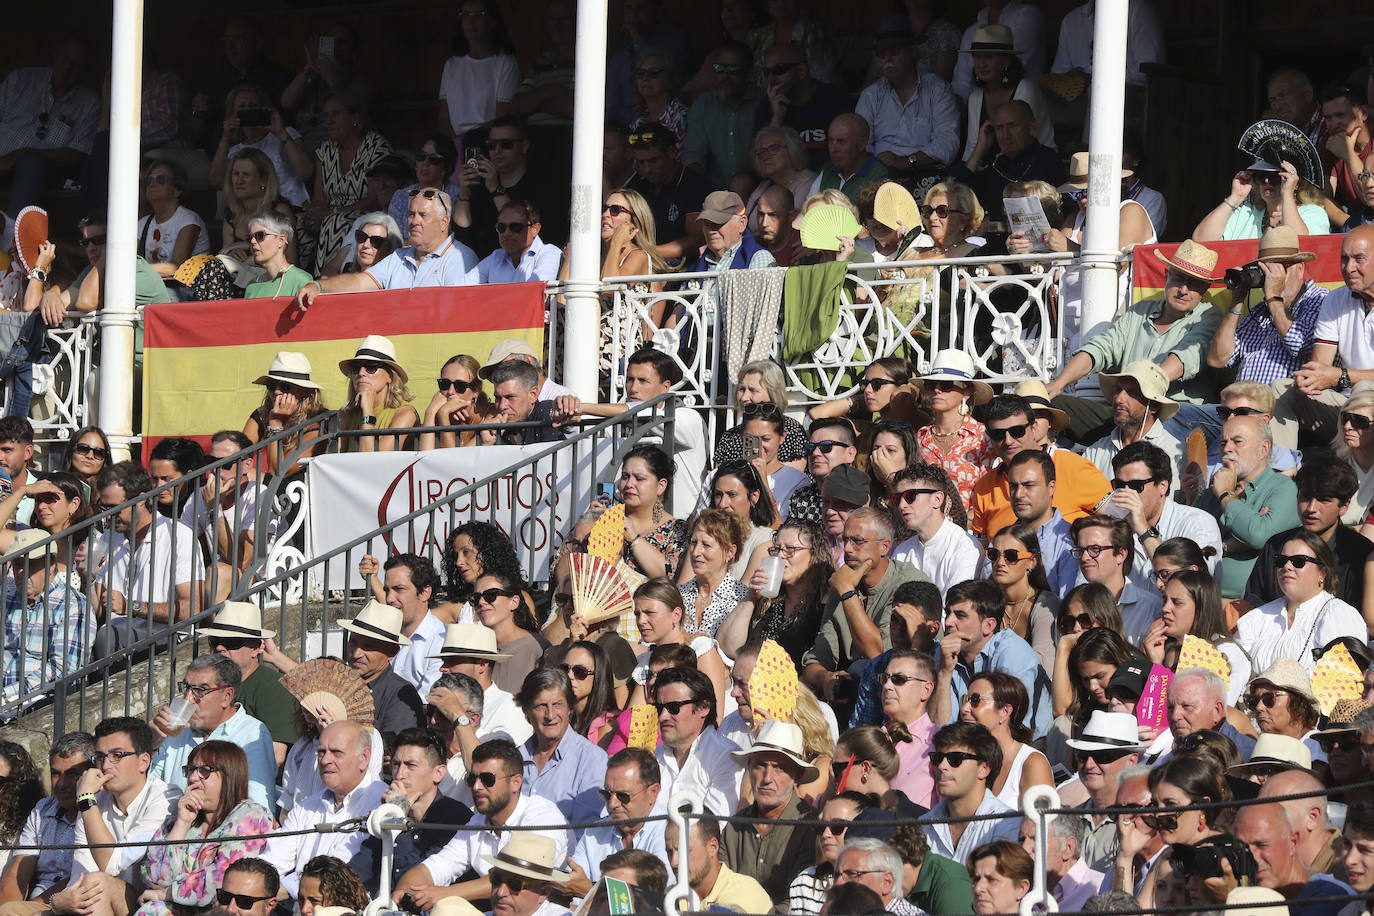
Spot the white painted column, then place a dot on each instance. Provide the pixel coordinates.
(580, 328)
(1102, 233)
(116, 414)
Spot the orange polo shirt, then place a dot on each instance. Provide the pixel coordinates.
(1079, 488)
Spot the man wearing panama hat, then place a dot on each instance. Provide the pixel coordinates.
(375, 636)
(1139, 406)
(1274, 339)
(237, 633)
(523, 874)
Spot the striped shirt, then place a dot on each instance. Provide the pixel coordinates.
(47, 636)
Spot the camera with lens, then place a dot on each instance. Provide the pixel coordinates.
(1243, 279)
(1203, 860)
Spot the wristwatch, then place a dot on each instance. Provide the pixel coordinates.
(39, 274)
(368, 420)
(1345, 379)
(501, 189)
(849, 594)
(85, 804)
(1151, 532)
(462, 720)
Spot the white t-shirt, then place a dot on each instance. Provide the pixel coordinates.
(950, 557)
(473, 87)
(291, 185)
(153, 578)
(689, 458)
(1344, 322)
(159, 240)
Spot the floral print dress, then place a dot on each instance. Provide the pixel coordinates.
(968, 457)
(191, 872)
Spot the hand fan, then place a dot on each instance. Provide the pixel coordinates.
(1198, 653)
(773, 684)
(30, 232)
(607, 539)
(1336, 677)
(824, 223)
(894, 204)
(599, 590)
(326, 675)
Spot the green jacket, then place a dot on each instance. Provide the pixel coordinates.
(1268, 507)
(942, 888)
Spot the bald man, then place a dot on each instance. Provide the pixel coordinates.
(851, 165)
(1266, 830)
(1308, 403)
(1010, 143)
(1319, 846)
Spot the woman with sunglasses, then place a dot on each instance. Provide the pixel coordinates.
(1085, 607)
(1081, 674)
(1308, 616)
(290, 397)
(501, 607)
(1262, 197)
(655, 89)
(87, 456)
(793, 618)
(170, 233)
(758, 384)
(460, 401)
(954, 439)
(1187, 780)
(884, 391)
(628, 249)
(1193, 607)
(806, 895)
(375, 235)
(999, 702)
(659, 614)
(1015, 566)
(739, 488)
(377, 396)
(184, 878)
(866, 762)
(1355, 444)
(1282, 703)
(270, 239)
(594, 713)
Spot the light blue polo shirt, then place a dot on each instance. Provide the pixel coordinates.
(452, 265)
(539, 262)
(241, 729)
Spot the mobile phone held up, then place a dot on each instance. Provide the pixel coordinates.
(255, 117)
(752, 447)
(605, 492)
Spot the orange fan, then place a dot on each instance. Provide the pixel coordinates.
(599, 590)
(607, 539)
(30, 232)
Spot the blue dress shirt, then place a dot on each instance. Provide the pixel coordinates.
(570, 779)
(454, 264)
(1005, 651)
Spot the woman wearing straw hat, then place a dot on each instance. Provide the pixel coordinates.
(954, 439)
(290, 397)
(998, 78)
(377, 396)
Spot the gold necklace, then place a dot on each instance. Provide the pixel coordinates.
(1019, 608)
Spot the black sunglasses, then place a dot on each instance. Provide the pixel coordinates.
(899, 680)
(1066, 622)
(1000, 435)
(432, 158)
(760, 409)
(643, 138)
(1265, 698)
(1011, 555)
(1137, 485)
(577, 672)
(426, 193)
(1357, 421)
(233, 644)
(93, 240)
(1299, 561)
(955, 758)
(1226, 413)
(514, 883)
(368, 366)
(458, 385)
(516, 227)
(943, 211)
(487, 779)
(623, 797)
(242, 901)
(648, 73)
(876, 384)
(908, 497)
(615, 209)
(673, 707)
(489, 595)
(824, 447)
(780, 69)
(96, 451)
(942, 385)
(1104, 757)
(378, 241)
(501, 144)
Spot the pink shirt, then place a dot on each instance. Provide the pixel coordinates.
(913, 777)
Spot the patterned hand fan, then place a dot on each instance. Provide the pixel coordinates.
(1336, 677)
(773, 684)
(1274, 141)
(643, 730)
(607, 539)
(1198, 653)
(340, 682)
(191, 267)
(599, 590)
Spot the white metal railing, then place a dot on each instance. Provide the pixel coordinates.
(63, 387)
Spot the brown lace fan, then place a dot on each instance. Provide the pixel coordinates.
(336, 681)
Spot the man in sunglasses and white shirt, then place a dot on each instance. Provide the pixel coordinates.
(965, 760)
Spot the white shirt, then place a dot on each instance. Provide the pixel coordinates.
(1178, 521)
(147, 812)
(290, 853)
(239, 517)
(710, 772)
(540, 261)
(413, 662)
(301, 776)
(551, 389)
(950, 557)
(467, 847)
(1105, 449)
(1265, 635)
(471, 88)
(1343, 321)
(976, 833)
(288, 182)
(689, 457)
(1027, 24)
(159, 240)
(147, 575)
(502, 717)
(1144, 41)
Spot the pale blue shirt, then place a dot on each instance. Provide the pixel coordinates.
(1005, 651)
(570, 779)
(241, 729)
(1061, 569)
(540, 262)
(928, 122)
(976, 833)
(413, 662)
(454, 264)
(599, 842)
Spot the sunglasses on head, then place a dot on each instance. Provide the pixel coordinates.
(487, 779)
(489, 595)
(93, 240)
(516, 227)
(362, 238)
(943, 211)
(366, 366)
(95, 451)
(1226, 413)
(644, 138)
(907, 497)
(615, 209)
(1015, 432)
(672, 707)
(1299, 560)
(1137, 485)
(1357, 422)
(899, 680)
(577, 672)
(501, 144)
(1011, 555)
(1066, 622)
(955, 758)
(426, 193)
(458, 385)
(242, 901)
(727, 68)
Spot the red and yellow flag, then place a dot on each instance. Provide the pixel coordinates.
(200, 359)
(1147, 277)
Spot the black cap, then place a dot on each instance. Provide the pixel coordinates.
(894, 31)
(1130, 679)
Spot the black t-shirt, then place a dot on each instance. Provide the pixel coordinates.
(811, 120)
(553, 213)
(396, 703)
(1036, 163)
(672, 203)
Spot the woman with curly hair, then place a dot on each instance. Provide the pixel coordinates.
(20, 789)
(473, 550)
(181, 878)
(501, 605)
(327, 881)
(793, 618)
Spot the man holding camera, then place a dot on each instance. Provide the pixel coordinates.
(1274, 339)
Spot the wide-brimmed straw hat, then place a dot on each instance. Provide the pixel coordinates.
(1154, 385)
(1280, 245)
(290, 367)
(1274, 750)
(1287, 674)
(995, 38)
(375, 346)
(378, 621)
(529, 855)
(1192, 258)
(957, 366)
(1109, 731)
(447, 906)
(470, 640)
(1034, 390)
(783, 738)
(238, 620)
(1078, 174)
(1342, 719)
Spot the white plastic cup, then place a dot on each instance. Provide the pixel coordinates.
(181, 710)
(772, 568)
(1113, 510)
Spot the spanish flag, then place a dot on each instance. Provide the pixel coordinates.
(1147, 276)
(200, 359)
